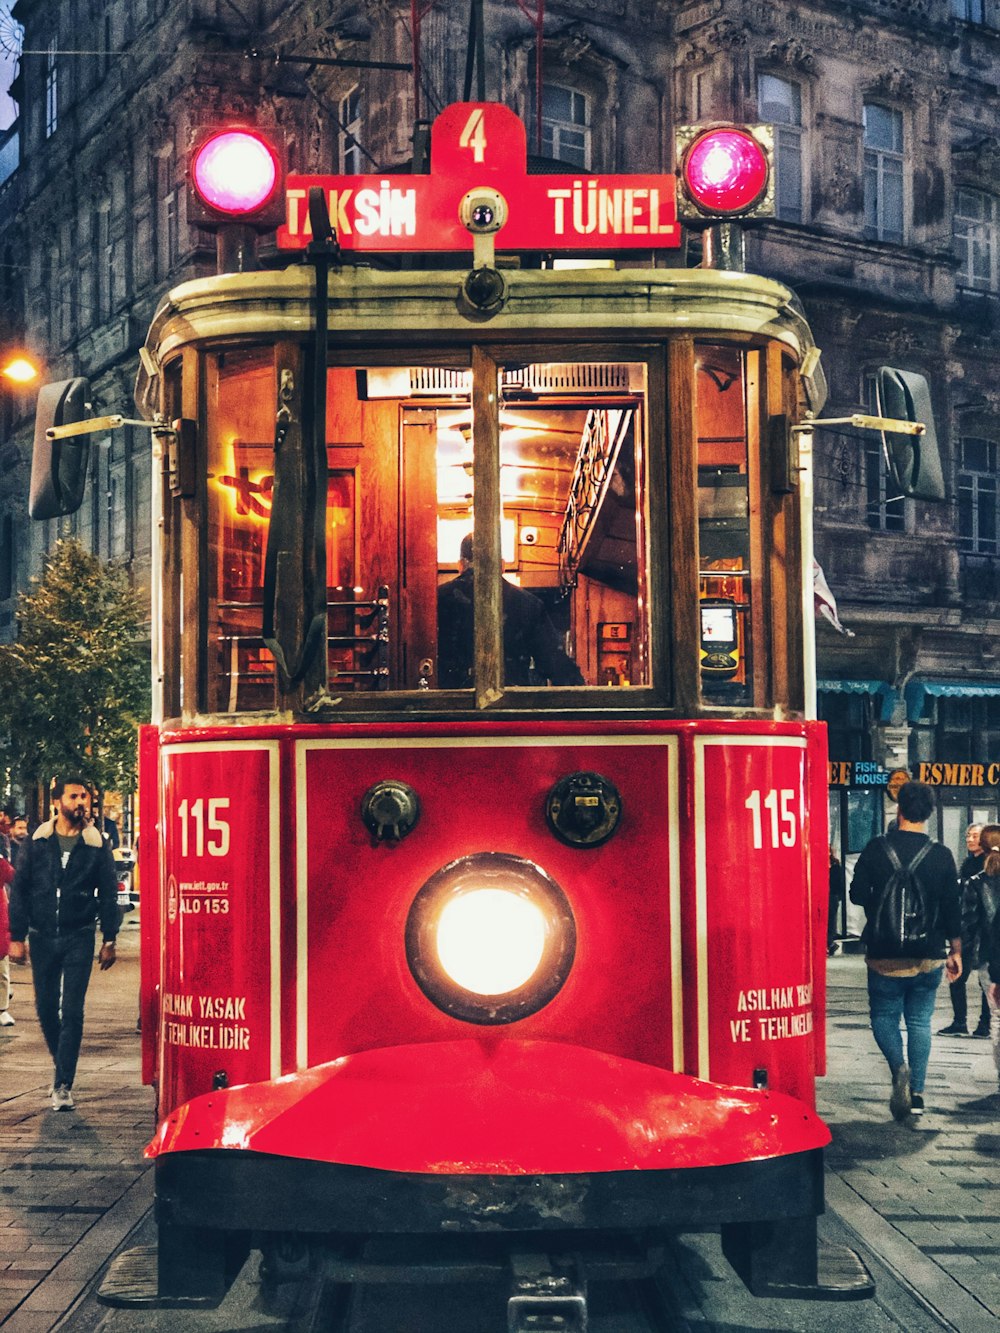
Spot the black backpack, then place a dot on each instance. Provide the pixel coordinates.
(902, 923)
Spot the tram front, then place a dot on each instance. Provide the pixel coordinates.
(491, 867)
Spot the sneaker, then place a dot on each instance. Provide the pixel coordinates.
(979, 1032)
(7, 1019)
(62, 1098)
(953, 1030)
(916, 1103)
(899, 1102)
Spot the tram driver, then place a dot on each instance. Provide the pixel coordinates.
(532, 652)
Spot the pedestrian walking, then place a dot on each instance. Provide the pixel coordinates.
(18, 837)
(968, 874)
(6, 994)
(908, 887)
(988, 886)
(836, 904)
(65, 880)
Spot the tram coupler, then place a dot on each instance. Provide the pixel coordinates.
(548, 1294)
(786, 1259)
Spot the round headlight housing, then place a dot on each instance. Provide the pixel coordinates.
(490, 938)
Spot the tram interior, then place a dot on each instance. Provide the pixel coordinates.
(401, 498)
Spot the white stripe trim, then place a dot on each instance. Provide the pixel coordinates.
(273, 750)
(476, 742)
(668, 742)
(673, 749)
(274, 867)
(702, 990)
(301, 908)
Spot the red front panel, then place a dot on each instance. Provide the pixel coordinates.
(755, 965)
(219, 998)
(283, 919)
(485, 795)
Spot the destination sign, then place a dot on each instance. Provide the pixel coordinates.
(481, 147)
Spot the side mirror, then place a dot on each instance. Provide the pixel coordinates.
(59, 467)
(914, 460)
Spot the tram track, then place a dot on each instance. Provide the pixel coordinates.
(528, 1294)
(627, 1306)
(692, 1292)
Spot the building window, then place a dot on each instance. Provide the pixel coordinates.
(565, 125)
(51, 91)
(977, 218)
(350, 127)
(883, 132)
(884, 507)
(102, 245)
(780, 104)
(850, 722)
(6, 557)
(167, 219)
(960, 730)
(969, 10)
(977, 495)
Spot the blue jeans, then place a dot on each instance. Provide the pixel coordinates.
(60, 969)
(912, 999)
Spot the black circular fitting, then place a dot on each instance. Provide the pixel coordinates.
(390, 810)
(583, 809)
(485, 289)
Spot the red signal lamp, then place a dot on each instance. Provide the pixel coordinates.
(725, 171)
(235, 173)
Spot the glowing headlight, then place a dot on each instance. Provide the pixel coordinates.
(490, 938)
(490, 941)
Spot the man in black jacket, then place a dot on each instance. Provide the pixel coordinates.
(906, 987)
(532, 652)
(65, 880)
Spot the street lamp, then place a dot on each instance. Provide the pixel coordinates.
(19, 369)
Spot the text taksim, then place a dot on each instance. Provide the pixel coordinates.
(387, 211)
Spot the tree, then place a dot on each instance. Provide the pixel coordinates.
(75, 684)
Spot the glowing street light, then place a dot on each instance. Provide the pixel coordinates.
(20, 370)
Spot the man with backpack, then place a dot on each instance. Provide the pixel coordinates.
(908, 886)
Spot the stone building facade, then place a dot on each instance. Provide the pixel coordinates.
(888, 228)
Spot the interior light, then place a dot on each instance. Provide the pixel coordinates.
(235, 171)
(450, 531)
(490, 941)
(725, 171)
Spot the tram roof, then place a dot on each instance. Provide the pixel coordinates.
(397, 308)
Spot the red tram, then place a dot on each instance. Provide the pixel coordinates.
(536, 959)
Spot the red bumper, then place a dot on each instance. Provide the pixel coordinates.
(497, 1108)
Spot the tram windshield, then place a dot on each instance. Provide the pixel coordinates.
(403, 532)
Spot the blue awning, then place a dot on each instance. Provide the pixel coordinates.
(918, 690)
(887, 694)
